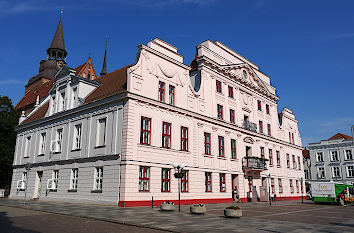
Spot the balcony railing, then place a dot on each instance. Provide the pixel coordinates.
(254, 163)
(249, 126)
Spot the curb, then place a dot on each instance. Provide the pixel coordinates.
(95, 218)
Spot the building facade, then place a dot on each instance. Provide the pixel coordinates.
(115, 138)
(332, 159)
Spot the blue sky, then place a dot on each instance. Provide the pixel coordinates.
(306, 47)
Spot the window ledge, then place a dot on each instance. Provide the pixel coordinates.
(96, 147)
(209, 156)
(73, 150)
(222, 157)
(72, 190)
(96, 191)
(163, 148)
(57, 152)
(234, 159)
(40, 155)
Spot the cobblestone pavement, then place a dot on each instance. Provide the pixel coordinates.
(285, 216)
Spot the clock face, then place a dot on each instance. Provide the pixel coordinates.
(60, 64)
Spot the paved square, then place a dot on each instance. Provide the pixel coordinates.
(286, 216)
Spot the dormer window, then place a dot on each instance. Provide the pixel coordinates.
(244, 74)
(75, 97)
(62, 102)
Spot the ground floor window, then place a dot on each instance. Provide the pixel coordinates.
(297, 186)
(98, 178)
(55, 177)
(291, 186)
(165, 180)
(144, 178)
(74, 178)
(208, 184)
(272, 185)
(222, 182)
(280, 184)
(184, 182)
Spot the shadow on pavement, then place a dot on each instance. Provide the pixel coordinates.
(8, 227)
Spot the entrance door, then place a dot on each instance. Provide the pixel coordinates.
(254, 194)
(38, 184)
(234, 183)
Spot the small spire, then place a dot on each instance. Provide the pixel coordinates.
(58, 39)
(104, 67)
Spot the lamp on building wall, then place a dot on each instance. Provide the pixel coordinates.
(179, 175)
(302, 190)
(28, 168)
(270, 200)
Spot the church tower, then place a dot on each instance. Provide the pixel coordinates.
(56, 58)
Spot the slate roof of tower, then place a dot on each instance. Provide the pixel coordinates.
(58, 39)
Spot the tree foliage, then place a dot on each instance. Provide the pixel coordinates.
(8, 121)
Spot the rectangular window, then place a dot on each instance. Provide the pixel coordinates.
(233, 149)
(161, 91)
(218, 86)
(319, 156)
(208, 184)
(294, 162)
(231, 92)
(145, 131)
(280, 186)
(291, 186)
(278, 158)
(59, 140)
(184, 138)
(77, 137)
(297, 186)
(262, 152)
(270, 157)
(101, 132)
(74, 178)
(53, 105)
(144, 178)
(165, 180)
(220, 112)
(288, 160)
(221, 146)
(334, 155)
(272, 185)
(299, 162)
(55, 178)
(321, 172)
(171, 95)
(207, 144)
(335, 172)
(269, 130)
(166, 135)
(42, 143)
(232, 116)
(184, 182)
(24, 177)
(350, 171)
(259, 104)
(27, 147)
(348, 155)
(75, 97)
(222, 182)
(292, 137)
(267, 109)
(62, 101)
(98, 178)
(261, 126)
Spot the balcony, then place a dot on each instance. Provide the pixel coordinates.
(254, 163)
(249, 126)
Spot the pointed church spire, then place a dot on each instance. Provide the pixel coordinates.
(57, 47)
(104, 67)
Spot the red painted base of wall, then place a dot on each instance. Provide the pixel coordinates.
(183, 202)
(196, 201)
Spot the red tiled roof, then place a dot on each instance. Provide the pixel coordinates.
(112, 84)
(306, 153)
(79, 68)
(31, 96)
(39, 114)
(339, 136)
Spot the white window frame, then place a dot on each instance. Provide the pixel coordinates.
(332, 158)
(59, 140)
(62, 102)
(333, 172)
(75, 97)
(100, 125)
(55, 178)
(321, 173)
(98, 179)
(27, 147)
(350, 170)
(74, 177)
(77, 137)
(346, 154)
(319, 155)
(42, 143)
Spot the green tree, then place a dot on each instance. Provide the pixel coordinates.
(8, 121)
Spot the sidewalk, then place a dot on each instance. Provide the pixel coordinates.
(258, 217)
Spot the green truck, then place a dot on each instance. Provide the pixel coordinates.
(327, 191)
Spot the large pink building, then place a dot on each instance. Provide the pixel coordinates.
(114, 138)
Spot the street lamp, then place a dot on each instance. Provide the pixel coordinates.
(302, 190)
(270, 200)
(28, 168)
(179, 175)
